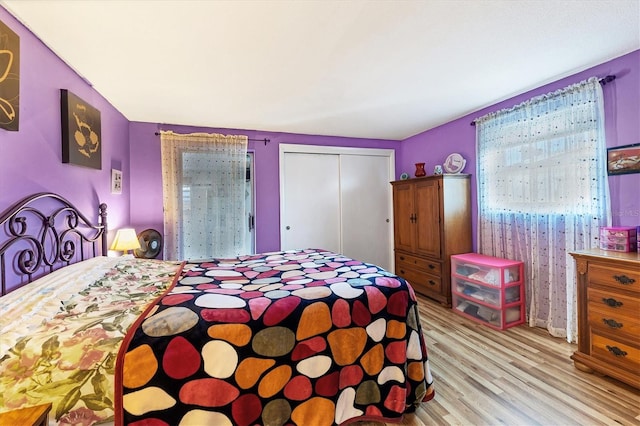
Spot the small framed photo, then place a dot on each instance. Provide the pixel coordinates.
(116, 181)
(623, 159)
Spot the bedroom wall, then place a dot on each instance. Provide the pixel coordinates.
(31, 158)
(622, 127)
(146, 175)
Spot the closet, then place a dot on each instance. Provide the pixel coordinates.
(337, 199)
(432, 221)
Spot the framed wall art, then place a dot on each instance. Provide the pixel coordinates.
(116, 181)
(623, 159)
(81, 139)
(9, 78)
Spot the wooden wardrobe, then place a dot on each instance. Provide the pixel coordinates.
(432, 221)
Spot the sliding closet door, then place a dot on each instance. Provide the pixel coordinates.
(338, 199)
(310, 204)
(366, 208)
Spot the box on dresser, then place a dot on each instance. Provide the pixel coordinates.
(619, 238)
(608, 297)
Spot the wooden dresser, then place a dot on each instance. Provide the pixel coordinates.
(609, 314)
(432, 221)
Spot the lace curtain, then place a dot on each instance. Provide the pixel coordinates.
(204, 179)
(543, 192)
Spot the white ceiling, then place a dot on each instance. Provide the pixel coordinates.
(374, 69)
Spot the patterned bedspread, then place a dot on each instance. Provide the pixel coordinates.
(305, 337)
(60, 335)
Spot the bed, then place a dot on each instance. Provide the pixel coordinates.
(305, 337)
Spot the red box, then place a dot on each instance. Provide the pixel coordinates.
(619, 238)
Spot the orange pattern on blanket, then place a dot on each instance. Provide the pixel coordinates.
(250, 370)
(315, 319)
(140, 366)
(236, 334)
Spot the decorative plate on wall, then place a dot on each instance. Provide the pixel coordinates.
(150, 244)
(454, 163)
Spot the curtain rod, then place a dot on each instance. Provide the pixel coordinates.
(603, 81)
(265, 140)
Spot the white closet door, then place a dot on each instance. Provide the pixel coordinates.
(310, 213)
(366, 208)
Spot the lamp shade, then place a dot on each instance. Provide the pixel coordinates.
(126, 239)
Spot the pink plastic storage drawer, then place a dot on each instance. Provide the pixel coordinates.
(488, 290)
(619, 238)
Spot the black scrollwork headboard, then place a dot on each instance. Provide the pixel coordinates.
(44, 232)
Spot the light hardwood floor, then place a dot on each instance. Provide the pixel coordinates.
(520, 376)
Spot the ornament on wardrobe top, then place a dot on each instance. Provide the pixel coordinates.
(454, 163)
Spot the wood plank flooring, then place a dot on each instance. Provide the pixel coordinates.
(520, 376)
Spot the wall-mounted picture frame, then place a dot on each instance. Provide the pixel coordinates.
(116, 181)
(623, 160)
(81, 139)
(9, 79)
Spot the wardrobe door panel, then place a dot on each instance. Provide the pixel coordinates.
(428, 205)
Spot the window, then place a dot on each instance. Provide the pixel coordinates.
(542, 192)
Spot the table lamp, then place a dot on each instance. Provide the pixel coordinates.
(125, 240)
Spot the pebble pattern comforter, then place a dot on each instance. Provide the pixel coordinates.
(305, 337)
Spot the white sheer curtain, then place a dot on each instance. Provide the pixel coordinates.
(204, 179)
(543, 192)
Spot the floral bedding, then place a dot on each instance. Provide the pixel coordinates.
(298, 337)
(60, 335)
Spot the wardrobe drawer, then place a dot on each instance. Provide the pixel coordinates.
(420, 280)
(429, 266)
(614, 277)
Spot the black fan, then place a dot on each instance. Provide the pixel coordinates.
(150, 244)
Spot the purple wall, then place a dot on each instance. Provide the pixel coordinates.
(31, 158)
(146, 177)
(622, 127)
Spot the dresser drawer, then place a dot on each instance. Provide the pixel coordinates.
(429, 266)
(615, 324)
(617, 278)
(613, 303)
(615, 352)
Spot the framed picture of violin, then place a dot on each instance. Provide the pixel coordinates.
(81, 139)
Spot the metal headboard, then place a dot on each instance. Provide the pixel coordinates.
(44, 232)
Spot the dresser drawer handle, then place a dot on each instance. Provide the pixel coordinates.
(612, 323)
(611, 302)
(431, 266)
(616, 351)
(624, 280)
(432, 282)
(401, 257)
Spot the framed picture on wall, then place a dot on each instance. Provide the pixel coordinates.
(81, 140)
(9, 78)
(116, 181)
(623, 159)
